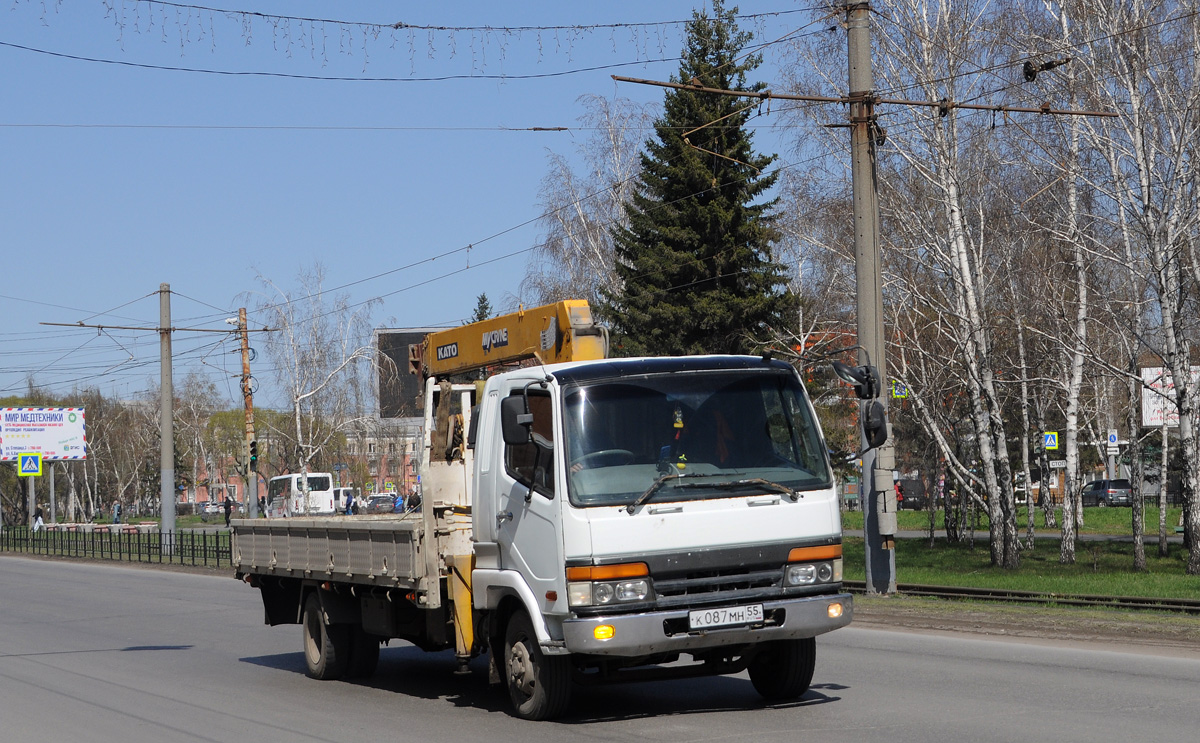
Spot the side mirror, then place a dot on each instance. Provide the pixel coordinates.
(473, 430)
(516, 425)
(875, 424)
(865, 379)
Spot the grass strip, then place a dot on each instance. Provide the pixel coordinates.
(1100, 568)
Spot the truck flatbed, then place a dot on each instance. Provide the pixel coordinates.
(383, 550)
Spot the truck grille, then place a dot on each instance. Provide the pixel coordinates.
(704, 588)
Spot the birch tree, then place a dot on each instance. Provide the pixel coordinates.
(584, 200)
(929, 48)
(322, 350)
(1141, 58)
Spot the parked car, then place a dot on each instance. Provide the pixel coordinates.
(380, 504)
(911, 494)
(1104, 493)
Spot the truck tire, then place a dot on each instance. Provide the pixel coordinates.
(538, 684)
(326, 646)
(364, 654)
(783, 669)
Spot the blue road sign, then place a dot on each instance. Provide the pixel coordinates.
(1050, 439)
(29, 465)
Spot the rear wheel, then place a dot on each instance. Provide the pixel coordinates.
(326, 646)
(539, 685)
(783, 669)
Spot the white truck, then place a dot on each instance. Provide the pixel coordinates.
(582, 522)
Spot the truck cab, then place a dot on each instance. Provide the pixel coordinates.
(637, 509)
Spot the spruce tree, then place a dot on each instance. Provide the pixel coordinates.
(695, 264)
(483, 309)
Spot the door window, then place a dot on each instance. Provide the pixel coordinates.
(532, 463)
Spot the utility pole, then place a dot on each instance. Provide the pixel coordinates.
(166, 421)
(251, 447)
(878, 492)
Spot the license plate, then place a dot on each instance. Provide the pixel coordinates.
(725, 616)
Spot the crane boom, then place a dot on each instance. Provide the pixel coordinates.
(563, 331)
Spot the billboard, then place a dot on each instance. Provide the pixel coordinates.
(55, 433)
(1158, 396)
(399, 391)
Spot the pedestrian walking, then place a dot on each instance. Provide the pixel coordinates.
(228, 509)
(116, 512)
(37, 518)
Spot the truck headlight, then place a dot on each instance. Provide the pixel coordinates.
(633, 590)
(814, 572)
(605, 593)
(601, 585)
(602, 593)
(801, 575)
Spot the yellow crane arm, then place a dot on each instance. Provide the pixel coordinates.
(563, 331)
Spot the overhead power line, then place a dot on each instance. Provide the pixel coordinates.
(331, 78)
(402, 25)
(944, 105)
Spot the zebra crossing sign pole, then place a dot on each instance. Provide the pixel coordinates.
(30, 466)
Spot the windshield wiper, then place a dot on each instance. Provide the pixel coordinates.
(656, 486)
(755, 481)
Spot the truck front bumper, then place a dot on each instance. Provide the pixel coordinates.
(656, 632)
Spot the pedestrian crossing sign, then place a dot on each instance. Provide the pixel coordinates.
(1050, 439)
(29, 465)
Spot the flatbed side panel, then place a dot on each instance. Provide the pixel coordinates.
(383, 551)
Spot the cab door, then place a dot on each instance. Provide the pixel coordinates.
(528, 522)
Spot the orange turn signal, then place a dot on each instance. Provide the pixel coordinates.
(826, 552)
(609, 572)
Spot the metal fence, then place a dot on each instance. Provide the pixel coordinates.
(196, 548)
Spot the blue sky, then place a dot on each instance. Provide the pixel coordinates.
(116, 176)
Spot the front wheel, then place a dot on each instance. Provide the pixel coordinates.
(326, 646)
(783, 669)
(538, 684)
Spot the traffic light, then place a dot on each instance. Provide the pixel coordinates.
(253, 455)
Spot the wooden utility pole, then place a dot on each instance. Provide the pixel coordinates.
(250, 449)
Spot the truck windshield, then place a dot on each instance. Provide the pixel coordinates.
(624, 435)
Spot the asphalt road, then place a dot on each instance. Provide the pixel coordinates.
(102, 653)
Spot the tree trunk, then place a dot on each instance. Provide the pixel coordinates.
(1025, 469)
(1133, 386)
(1164, 480)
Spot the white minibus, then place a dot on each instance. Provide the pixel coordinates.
(285, 495)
